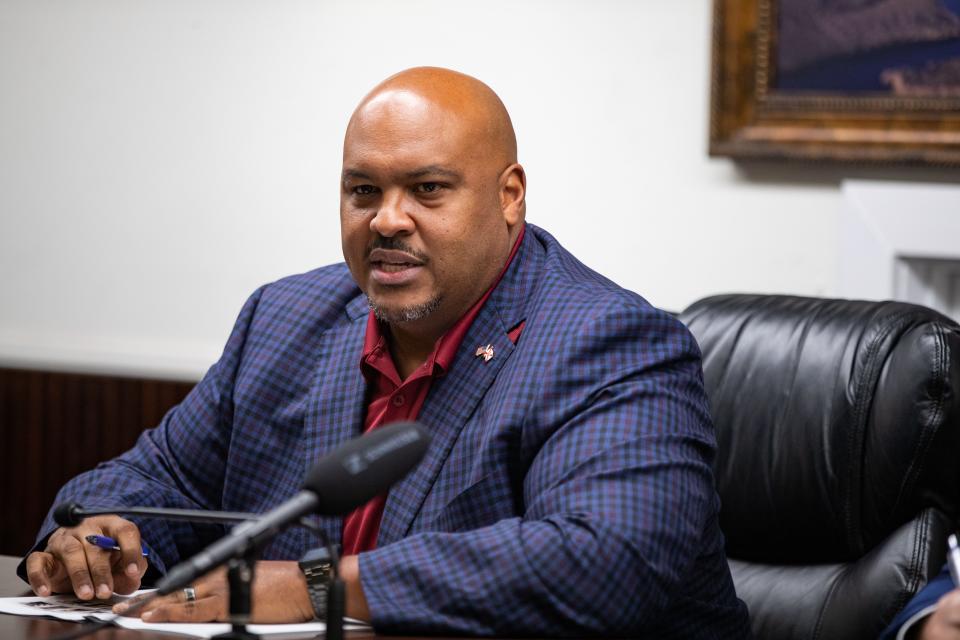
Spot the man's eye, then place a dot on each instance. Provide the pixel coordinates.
(428, 187)
(364, 189)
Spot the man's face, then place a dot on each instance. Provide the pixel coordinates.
(421, 222)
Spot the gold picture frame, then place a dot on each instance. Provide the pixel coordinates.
(751, 117)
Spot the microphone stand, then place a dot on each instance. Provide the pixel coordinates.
(336, 595)
(241, 568)
(240, 572)
(240, 579)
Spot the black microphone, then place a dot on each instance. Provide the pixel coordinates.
(70, 514)
(355, 473)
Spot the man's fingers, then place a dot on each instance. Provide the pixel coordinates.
(207, 609)
(179, 596)
(205, 603)
(129, 565)
(948, 608)
(122, 583)
(121, 607)
(98, 563)
(90, 570)
(40, 570)
(71, 553)
(128, 538)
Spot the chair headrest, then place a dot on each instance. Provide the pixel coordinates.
(836, 420)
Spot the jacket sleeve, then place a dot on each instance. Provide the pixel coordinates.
(180, 463)
(921, 606)
(615, 500)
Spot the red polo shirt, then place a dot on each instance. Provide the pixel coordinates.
(393, 399)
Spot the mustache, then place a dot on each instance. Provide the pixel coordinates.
(396, 244)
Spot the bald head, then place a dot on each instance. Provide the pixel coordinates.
(469, 106)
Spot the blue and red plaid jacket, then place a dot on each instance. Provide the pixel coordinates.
(567, 490)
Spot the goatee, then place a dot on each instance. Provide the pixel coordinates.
(403, 314)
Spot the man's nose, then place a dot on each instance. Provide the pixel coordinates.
(392, 217)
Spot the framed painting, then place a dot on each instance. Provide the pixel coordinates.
(869, 81)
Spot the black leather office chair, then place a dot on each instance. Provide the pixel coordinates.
(838, 462)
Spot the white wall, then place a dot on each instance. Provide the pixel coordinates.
(159, 159)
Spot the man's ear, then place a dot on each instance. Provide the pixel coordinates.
(513, 193)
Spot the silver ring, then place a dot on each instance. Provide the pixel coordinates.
(189, 594)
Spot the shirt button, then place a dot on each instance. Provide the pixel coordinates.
(398, 401)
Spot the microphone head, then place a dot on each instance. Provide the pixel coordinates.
(365, 467)
(68, 514)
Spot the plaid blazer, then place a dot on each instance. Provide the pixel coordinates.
(567, 490)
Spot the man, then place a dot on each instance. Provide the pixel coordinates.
(568, 487)
(933, 614)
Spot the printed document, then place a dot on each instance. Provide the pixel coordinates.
(66, 607)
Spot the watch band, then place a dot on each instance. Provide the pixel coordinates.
(317, 568)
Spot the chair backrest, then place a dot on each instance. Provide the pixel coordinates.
(838, 428)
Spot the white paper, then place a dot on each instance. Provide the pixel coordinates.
(73, 609)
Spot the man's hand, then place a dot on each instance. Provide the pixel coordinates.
(944, 622)
(279, 596)
(70, 563)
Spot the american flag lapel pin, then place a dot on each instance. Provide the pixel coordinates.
(485, 352)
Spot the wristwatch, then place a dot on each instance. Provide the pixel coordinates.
(317, 567)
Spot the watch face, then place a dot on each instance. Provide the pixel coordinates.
(320, 554)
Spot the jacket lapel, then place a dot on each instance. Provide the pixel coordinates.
(454, 398)
(449, 405)
(336, 405)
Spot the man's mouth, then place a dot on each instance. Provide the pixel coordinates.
(393, 267)
(394, 257)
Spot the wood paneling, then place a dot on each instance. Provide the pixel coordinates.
(56, 425)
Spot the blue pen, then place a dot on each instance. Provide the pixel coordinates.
(108, 543)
